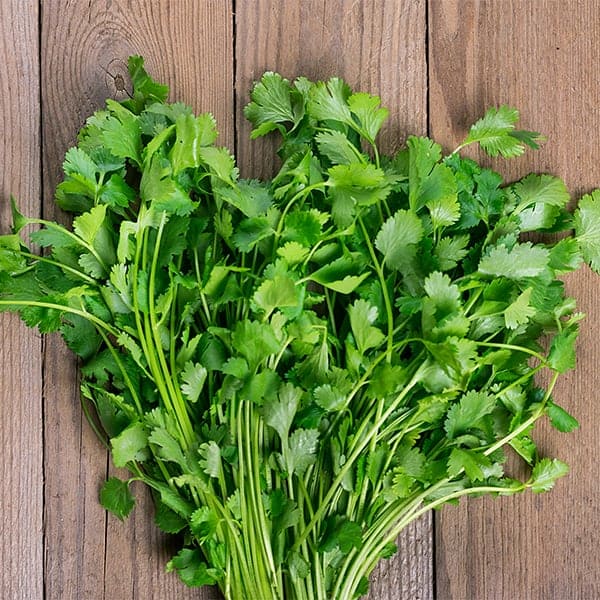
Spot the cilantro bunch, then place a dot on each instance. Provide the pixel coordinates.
(300, 367)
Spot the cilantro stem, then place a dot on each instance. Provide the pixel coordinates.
(65, 309)
(297, 196)
(79, 241)
(501, 346)
(61, 266)
(384, 290)
(169, 378)
(356, 452)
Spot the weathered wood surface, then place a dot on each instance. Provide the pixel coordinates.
(436, 66)
(21, 437)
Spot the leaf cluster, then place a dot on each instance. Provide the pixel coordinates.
(308, 363)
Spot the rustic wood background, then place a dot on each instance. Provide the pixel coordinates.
(437, 65)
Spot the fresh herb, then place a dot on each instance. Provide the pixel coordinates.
(298, 368)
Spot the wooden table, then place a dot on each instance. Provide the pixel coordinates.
(437, 65)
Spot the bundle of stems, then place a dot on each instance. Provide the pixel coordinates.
(299, 368)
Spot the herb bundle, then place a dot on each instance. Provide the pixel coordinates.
(298, 368)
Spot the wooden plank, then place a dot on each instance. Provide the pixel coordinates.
(21, 441)
(377, 47)
(84, 52)
(541, 57)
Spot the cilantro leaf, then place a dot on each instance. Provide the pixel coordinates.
(520, 311)
(370, 116)
(468, 412)
(398, 237)
(188, 563)
(522, 261)
(193, 377)
(587, 228)
(561, 357)
(560, 418)
(145, 89)
(130, 445)
(545, 473)
(116, 497)
(494, 133)
(271, 103)
(362, 316)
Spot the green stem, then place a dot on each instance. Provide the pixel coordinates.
(356, 452)
(384, 290)
(168, 377)
(61, 266)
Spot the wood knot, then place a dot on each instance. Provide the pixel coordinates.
(117, 79)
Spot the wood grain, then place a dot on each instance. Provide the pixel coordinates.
(375, 46)
(85, 46)
(541, 57)
(21, 440)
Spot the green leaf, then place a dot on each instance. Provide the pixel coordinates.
(438, 192)
(560, 418)
(19, 221)
(88, 225)
(210, 460)
(130, 445)
(145, 89)
(354, 185)
(204, 523)
(191, 568)
(158, 188)
(77, 161)
(254, 341)
(522, 261)
(279, 412)
(340, 275)
(343, 534)
(121, 133)
(277, 293)
(328, 101)
(542, 198)
(493, 133)
(369, 114)
(473, 463)
(444, 294)
(271, 102)
(293, 253)
(116, 192)
(192, 133)
(587, 228)
(303, 445)
(565, 256)
(545, 473)
(251, 197)
(545, 189)
(304, 226)
(168, 448)
(561, 357)
(520, 311)
(338, 148)
(329, 398)
(11, 259)
(398, 237)
(167, 520)
(468, 412)
(193, 377)
(116, 497)
(362, 316)
(423, 154)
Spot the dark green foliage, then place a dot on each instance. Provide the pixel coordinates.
(300, 367)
